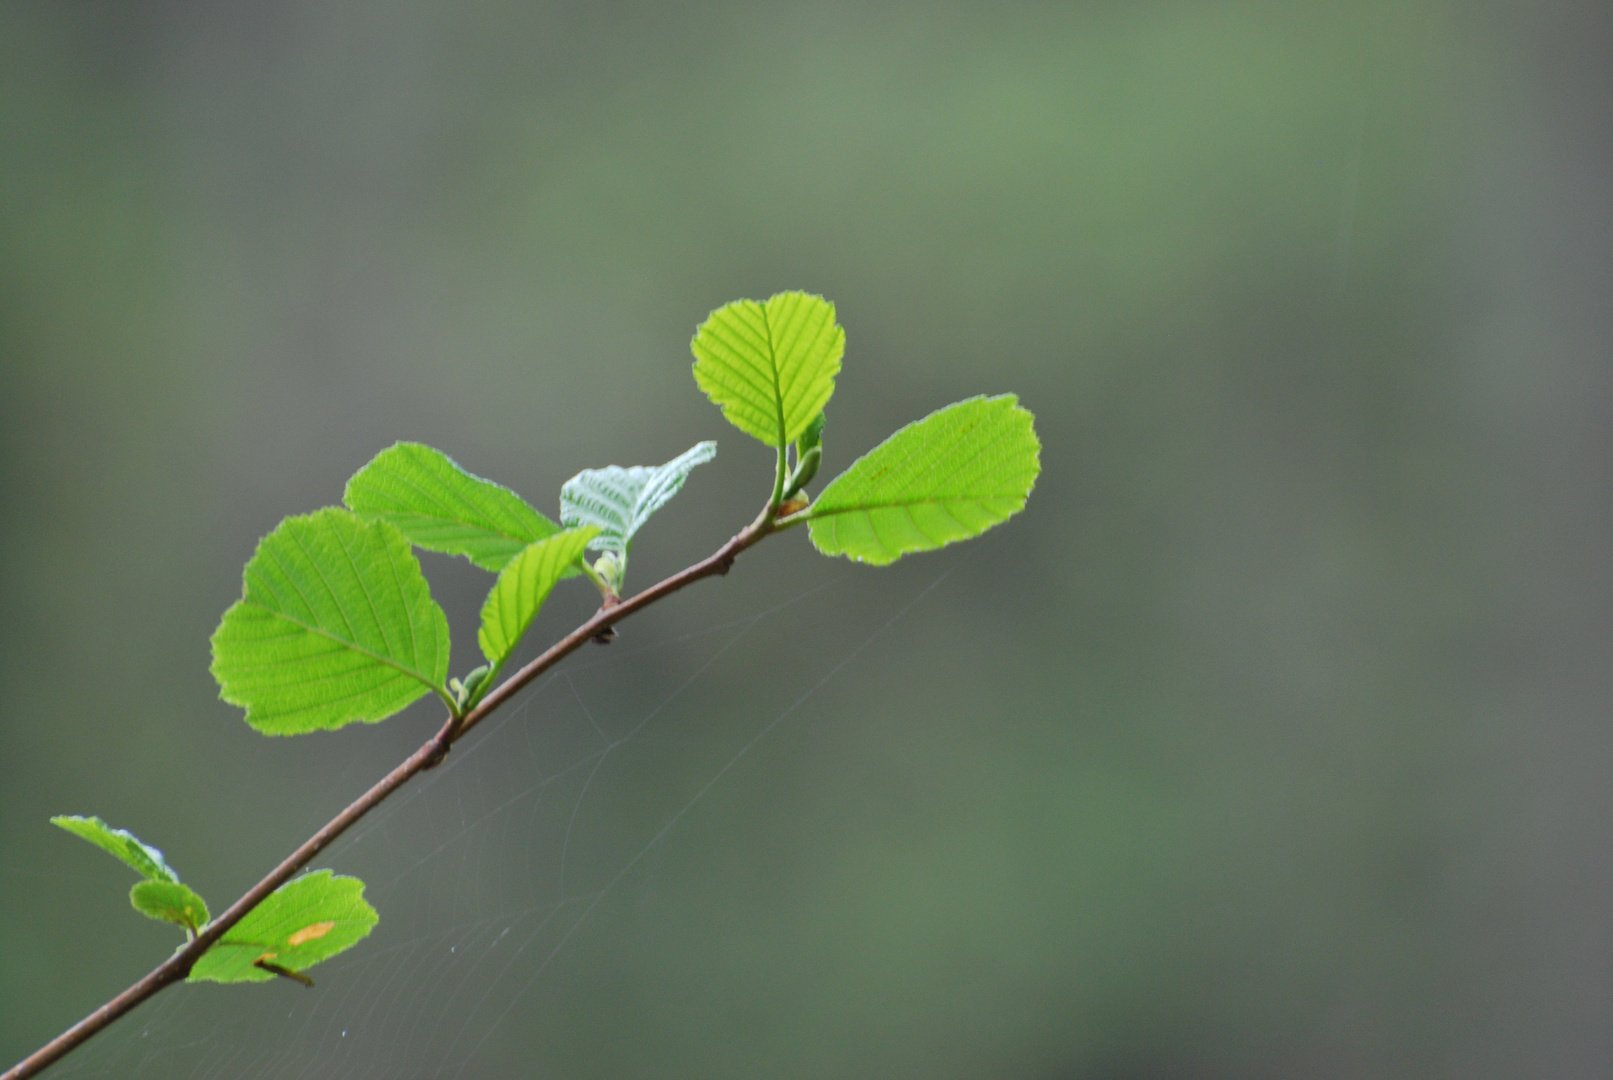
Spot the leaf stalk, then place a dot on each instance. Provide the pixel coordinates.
(781, 476)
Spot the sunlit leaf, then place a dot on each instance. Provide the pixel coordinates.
(770, 366)
(301, 923)
(950, 476)
(337, 625)
(170, 901)
(120, 843)
(618, 501)
(521, 589)
(441, 507)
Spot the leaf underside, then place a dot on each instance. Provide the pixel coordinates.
(947, 477)
(289, 929)
(521, 589)
(337, 625)
(771, 367)
(169, 901)
(618, 501)
(119, 843)
(441, 507)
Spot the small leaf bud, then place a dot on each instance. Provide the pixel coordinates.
(465, 692)
(812, 436)
(610, 567)
(805, 470)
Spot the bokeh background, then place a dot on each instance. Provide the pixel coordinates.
(1272, 739)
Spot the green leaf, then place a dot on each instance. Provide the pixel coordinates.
(301, 923)
(120, 843)
(618, 501)
(521, 589)
(441, 507)
(950, 476)
(337, 624)
(169, 901)
(770, 366)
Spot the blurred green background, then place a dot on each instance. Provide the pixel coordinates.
(1270, 740)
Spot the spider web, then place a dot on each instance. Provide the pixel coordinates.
(503, 876)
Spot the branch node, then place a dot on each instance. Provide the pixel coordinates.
(441, 745)
(607, 635)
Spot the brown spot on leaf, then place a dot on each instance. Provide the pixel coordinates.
(312, 932)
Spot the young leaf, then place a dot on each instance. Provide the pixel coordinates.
(301, 923)
(812, 436)
(521, 589)
(337, 624)
(169, 901)
(770, 366)
(950, 476)
(120, 843)
(618, 501)
(441, 507)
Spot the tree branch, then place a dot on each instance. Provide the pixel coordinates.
(430, 754)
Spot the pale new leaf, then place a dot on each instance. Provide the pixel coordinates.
(618, 501)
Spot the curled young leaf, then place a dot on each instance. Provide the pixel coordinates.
(336, 625)
(301, 923)
(811, 437)
(950, 476)
(770, 366)
(119, 843)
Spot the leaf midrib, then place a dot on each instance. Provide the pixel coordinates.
(470, 525)
(930, 499)
(772, 366)
(352, 646)
(369, 600)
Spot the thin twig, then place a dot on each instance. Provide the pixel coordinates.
(430, 754)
